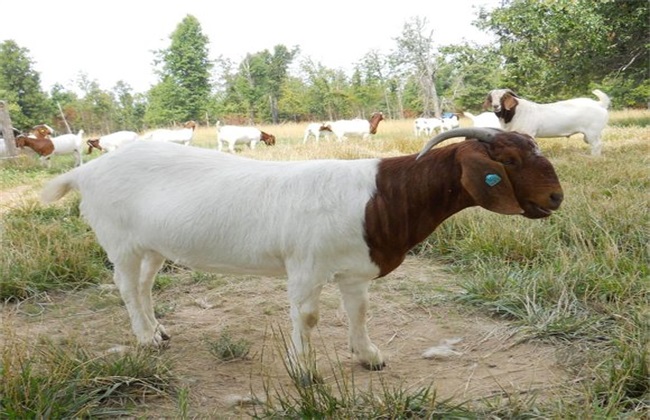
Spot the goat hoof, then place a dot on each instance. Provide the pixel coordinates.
(374, 366)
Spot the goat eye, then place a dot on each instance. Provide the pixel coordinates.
(509, 162)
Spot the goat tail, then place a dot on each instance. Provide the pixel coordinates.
(603, 98)
(59, 186)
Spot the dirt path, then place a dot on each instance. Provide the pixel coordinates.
(410, 312)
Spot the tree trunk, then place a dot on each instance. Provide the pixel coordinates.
(7, 130)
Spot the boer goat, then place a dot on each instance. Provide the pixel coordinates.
(557, 119)
(315, 130)
(358, 127)
(183, 135)
(46, 147)
(317, 221)
(110, 142)
(235, 134)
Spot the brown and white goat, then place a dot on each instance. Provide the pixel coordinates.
(556, 119)
(315, 221)
(39, 141)
(357, 127)
(230, 135)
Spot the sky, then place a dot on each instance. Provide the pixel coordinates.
(115, 40)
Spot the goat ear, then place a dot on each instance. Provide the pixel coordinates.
(487, 182)
(509, 101)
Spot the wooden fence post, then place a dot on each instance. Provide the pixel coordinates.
(7, 130)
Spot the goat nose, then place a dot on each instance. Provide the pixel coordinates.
(556, 199)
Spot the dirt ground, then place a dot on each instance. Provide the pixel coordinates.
(411, 311)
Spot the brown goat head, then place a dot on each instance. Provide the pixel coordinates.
(375, 118)
(267, 138)
(505, 172)
(93, 144)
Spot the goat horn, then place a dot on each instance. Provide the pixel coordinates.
(485, 134)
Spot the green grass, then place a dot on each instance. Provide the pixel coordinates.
(48, 248)
(62, 380)
(580, 278)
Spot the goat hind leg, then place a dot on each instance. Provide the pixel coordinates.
(151, 264)
(304, 316)
(595, 143)
(126, 278)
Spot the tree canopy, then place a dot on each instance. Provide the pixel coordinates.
(545, 50)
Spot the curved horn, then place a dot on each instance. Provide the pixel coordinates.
(485, 134)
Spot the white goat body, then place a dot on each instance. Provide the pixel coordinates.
(357, 127)
(232, 135)
(449, 123)
(221, 213)
(484, 119)
(556, 119)
(67, 144)
(427, 126)
(110, 142)
(182, 135)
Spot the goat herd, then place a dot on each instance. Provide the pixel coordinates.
(315, 221)
(509, 112)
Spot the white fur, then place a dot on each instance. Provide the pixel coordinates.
(231, 135)
(558, 119)
(314, 129)
(219, 212)
(427, 126)
(450, 123)
(111, 142)
(484, 119)
(67, 144)
(183, 135)
(343, 129)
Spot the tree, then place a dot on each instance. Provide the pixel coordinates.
(258, 84)
(556, 49)
(415, 52)
(184, 90)
(468, 73)
(278, 67)
(20, 85)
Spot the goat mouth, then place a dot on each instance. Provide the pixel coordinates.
(533, 211)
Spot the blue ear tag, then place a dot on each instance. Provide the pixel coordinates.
(492, 179)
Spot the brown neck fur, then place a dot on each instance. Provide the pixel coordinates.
(412, 199)
(374, 121)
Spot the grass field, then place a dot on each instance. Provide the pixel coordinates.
(576, 284)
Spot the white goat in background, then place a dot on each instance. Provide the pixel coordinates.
(315, 130)
(484, 119)
(426, 126)
(556, 119)
(357, 127)
(183, 135)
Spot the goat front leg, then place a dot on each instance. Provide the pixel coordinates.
(355, 301)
